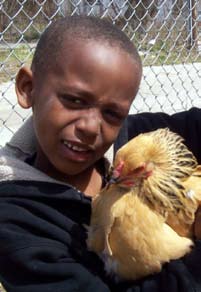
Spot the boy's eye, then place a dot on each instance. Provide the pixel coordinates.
(113, 117)
(72, 101)
(77, 101)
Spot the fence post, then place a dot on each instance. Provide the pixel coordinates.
(192, 28)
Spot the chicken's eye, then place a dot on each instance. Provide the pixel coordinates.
(139, 169)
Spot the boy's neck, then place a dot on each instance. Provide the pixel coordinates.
(89, 181)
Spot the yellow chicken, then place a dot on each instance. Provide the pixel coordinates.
(143, 218)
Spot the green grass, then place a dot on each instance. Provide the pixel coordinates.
(168, 53)
(12, 59)
(175, 56)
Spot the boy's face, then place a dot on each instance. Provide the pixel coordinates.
(80, 103)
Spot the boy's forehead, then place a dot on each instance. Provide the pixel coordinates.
(89, 49)
(70, 45)
(94, 70)
(86, 58)
(77, 55)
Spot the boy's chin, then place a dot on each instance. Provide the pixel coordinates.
(74, 170)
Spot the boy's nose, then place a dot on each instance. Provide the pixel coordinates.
(88, 126)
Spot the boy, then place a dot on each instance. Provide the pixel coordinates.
(80, 98)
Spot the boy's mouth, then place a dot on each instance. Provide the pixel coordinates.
(76, 151)
(75, 147)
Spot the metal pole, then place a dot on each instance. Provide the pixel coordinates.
(192, 23)
(194, 26)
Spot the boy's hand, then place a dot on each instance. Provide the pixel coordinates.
(197, 224)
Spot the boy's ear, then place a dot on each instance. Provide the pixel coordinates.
(24, 86)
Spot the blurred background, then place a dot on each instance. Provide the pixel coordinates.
(167, 34)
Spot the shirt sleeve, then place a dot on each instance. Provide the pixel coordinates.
(47, 267)
(43, 242)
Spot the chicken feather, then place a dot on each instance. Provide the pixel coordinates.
(144, 218)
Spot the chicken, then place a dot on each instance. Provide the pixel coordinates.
(143, 218)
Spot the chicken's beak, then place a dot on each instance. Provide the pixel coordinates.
(125, 182)
(115, 174)
(113, 180)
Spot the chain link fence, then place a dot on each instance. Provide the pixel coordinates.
(167, 34)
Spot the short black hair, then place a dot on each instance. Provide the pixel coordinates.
(79, 27)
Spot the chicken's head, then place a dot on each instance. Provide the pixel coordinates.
(156, 158)
(129, 178)
(133, 162)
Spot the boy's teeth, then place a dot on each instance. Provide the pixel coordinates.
(76, 148)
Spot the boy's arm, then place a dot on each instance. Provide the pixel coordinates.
(42, 246)
(46, 268)
(187, 124)
(60, 274)
(182, 275)
(43, 241)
